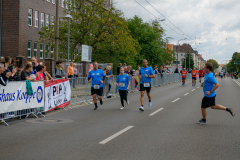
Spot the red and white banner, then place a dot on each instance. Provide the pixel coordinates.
(57, 94)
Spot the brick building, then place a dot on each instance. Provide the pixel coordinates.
(21, 22)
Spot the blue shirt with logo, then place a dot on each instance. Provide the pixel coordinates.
(209, 82)
(96, 76)
(123, 79)
(149, 71)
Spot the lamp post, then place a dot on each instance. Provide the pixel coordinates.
(178, 49)
(68, 16)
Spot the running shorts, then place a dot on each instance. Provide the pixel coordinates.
(208, 102)
(142, 88)
(194, 78)
(97, 91)
(123, 94)
(183, 78)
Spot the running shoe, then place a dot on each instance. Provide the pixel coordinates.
(122, 108)
(201, 122)
(141, 108)
(232, 112)
(149, 104)
(95, 108)
(101, 102)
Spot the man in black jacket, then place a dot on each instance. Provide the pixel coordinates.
(4, 78)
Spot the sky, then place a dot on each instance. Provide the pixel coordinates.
(212, 27)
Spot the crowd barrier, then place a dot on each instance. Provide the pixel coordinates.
(14, 101)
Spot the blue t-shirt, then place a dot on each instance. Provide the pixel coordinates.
(155, 71)
(123, 79)
(110, 72)
(149, 71)
(96, 76)
(209, 82)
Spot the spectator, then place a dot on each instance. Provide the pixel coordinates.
(35, 65)
(58, 72)
(18, 78)
(129, 72)
(27, 73)
(156, 70)
(100, 67)
(160, 71)
(176, 70)
(47, 74)
(8, 62)
(75, 74)
(125, 67)
(118, 68)
(107, 80)
(4, 79)
(70, 73)
(41, 76)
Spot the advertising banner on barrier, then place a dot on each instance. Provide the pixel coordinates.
(58, 94)
(13, 97)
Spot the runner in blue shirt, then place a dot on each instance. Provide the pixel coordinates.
(209, 88)
(123, 83)
(145, 75)
(97, 76)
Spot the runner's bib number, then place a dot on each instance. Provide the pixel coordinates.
(146, 84)
(194, 73)
(121, 84)
(183, 74)
(96, 86)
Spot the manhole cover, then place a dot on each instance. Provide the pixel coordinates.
(49, 121)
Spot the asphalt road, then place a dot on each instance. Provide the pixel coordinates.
(109, 133)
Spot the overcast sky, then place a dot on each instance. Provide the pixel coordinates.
(214, 23)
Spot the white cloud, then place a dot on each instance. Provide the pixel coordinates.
(214, 23)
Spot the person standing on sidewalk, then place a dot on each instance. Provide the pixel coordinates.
(70, 73)
(145, 75)
(58, 71)
(123, 83)
(97, 76)
(75, 74)
(209, 89)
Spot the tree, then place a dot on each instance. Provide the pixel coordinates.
(187, 62)
(214, 63)
(93, 24)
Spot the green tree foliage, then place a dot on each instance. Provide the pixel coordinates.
(214, 63)
(150, 38)
(187, 62)
(231, 67)
(93, 24)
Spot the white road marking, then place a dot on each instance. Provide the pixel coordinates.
(238, 83)
(186, 94)
(193, 90)
(176, 100)
(198, 87)
(156, 111)
(115, 135)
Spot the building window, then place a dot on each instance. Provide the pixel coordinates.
(30, 17)
(42, 19)
(52, 50)
(46, 54)
(48, 0)
(47, 20)
(29, 49)
(63, 3)
(41, 51)
(36, 19)
(52, 20)
(181, 55)
(35, 49)
(53, 1)
(66, 2)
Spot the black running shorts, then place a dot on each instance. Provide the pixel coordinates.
(97, 91)
(123, 94)
(194, 78)
(142, 88)
(208, 102)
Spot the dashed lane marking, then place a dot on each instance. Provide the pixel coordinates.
(176, 100)
(156, 111)
(115, 135)
(186, 94)
(193, 90)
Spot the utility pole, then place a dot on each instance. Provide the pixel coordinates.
(56, 33)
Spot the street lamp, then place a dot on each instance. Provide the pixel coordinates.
(178, 49)
(68, 16)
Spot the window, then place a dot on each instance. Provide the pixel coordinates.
(52, 50)
(41, 51)
(29, 49)
(53, 1)
(48, 0)
(66, 1)
(42, 19)
(36, 19)
(30, 17)
(47, 20)
(46, 54)
(52, 20)
(35, 49)
(181, 55)
(63, 3)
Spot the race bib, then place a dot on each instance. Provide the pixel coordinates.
(146, 84)
(121, 84)
(194, 73)
(183, 74)
(96, 86)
